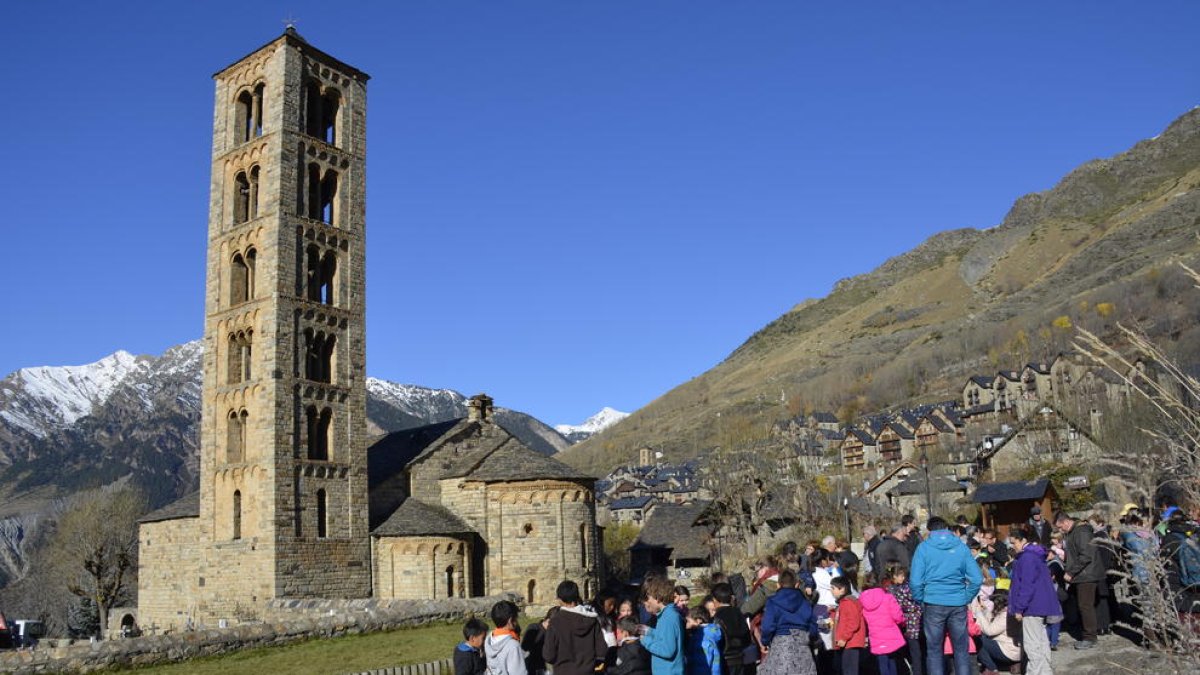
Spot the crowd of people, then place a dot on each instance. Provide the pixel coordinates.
(960, 600)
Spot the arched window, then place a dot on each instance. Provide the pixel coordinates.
(244, 117)
(318, 424)
(322, 515)
(450, 581)
(331, 103)
(318, 356)
(328, 274)
(531, 590)
(313, 273)
(234, 366)
(260, 100)
(239, 280)
(321, 110)
(314, 191)
(237, 514)
(236, 436)
(252, 194)
(251, 272)
(241, 198)
(328, 348)
(329, 184)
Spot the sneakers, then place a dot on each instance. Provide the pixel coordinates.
(1085, 644)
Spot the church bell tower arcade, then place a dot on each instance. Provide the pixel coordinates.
(283, 488)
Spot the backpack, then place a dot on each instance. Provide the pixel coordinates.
(1189, 558)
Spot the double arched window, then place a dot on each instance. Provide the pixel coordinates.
(320, 194)
(322, 108)
(248, 113)
(238, 365)
(235, 442)
(241, 276)
(245, 195)
(319, 350)
(318, 424)
(321, 274)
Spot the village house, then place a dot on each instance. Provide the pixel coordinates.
(1044, 435)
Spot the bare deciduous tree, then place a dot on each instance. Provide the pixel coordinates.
(94, 550)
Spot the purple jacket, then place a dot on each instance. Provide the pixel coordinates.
(1032, 592)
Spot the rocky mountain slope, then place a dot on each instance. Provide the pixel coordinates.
(68, 428)
(962, 301)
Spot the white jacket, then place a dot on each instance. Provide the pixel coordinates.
(504, 655)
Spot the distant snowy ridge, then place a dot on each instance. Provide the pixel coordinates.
(592, 426)
(44, 397)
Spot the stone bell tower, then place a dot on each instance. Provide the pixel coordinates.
(283, 463)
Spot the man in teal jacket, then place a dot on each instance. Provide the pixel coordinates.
(945, 579)
(665, 640)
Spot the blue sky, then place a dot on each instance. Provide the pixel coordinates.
(638, 185)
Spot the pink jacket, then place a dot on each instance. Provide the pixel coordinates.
(973, 631)
(883, 617)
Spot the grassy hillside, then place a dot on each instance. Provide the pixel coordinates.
(964, 301)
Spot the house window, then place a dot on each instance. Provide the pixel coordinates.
(237, 514)
(322, 515)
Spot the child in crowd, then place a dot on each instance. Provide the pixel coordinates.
(883, 617)
(703, 643)
(632, 658)
(734, 627)
(996, 649)
(664, 640)
(683, 597)
(626, 608)
(849, 633)
(468, 656)
(503, 646)
(900, 590)
(532, 642)
(787, 627)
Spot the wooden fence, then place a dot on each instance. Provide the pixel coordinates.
(443, 667)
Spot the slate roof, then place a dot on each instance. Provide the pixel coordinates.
(630, 503)
(825, 418)
(1039, 368)
(979, 410)
(673, 526)
(916, 486)
(415, 518)
(983, 381)
(1011, 491)
(187, 506)
(864, 436)
(389, 455)
(831, 435)
(940, 424)
(514, 461)
(1010, 375)
(901, 430)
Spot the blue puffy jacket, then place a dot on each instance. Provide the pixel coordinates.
(943, 571)
(787, 610)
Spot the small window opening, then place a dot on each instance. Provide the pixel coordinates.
(318, 356)
(583, 545)
(322, 515)
(314, 191)
(329, 184)
(328, 273)
(312, 109)
(330, 104)
(450, 581)
(251, 272)
(527, 529)
(252, 193)
(260, 97)
(531, 592)
(237, 514)
(234, 367)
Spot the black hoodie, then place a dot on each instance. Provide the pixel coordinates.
(574, 641)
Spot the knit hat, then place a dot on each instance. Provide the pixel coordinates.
(1127, 508)
(1035, 511)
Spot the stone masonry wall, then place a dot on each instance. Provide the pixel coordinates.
(287, 621)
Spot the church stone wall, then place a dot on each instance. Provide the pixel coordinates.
(170, 562)
(417, 568)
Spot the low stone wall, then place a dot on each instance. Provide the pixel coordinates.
(287, 621)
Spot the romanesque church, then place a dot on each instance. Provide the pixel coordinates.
(294, 500)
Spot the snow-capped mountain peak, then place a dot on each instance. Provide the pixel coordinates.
(593, 425)
(53, 396)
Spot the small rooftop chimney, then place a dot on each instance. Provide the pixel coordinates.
(479, 408)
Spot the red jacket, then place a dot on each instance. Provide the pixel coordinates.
(850, 626)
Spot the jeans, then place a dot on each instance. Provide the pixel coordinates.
(1052, 632)
(850, 659)
(887, 662)
(990, 654)
(937, 622)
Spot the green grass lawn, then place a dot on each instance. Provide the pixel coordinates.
(353, 653)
